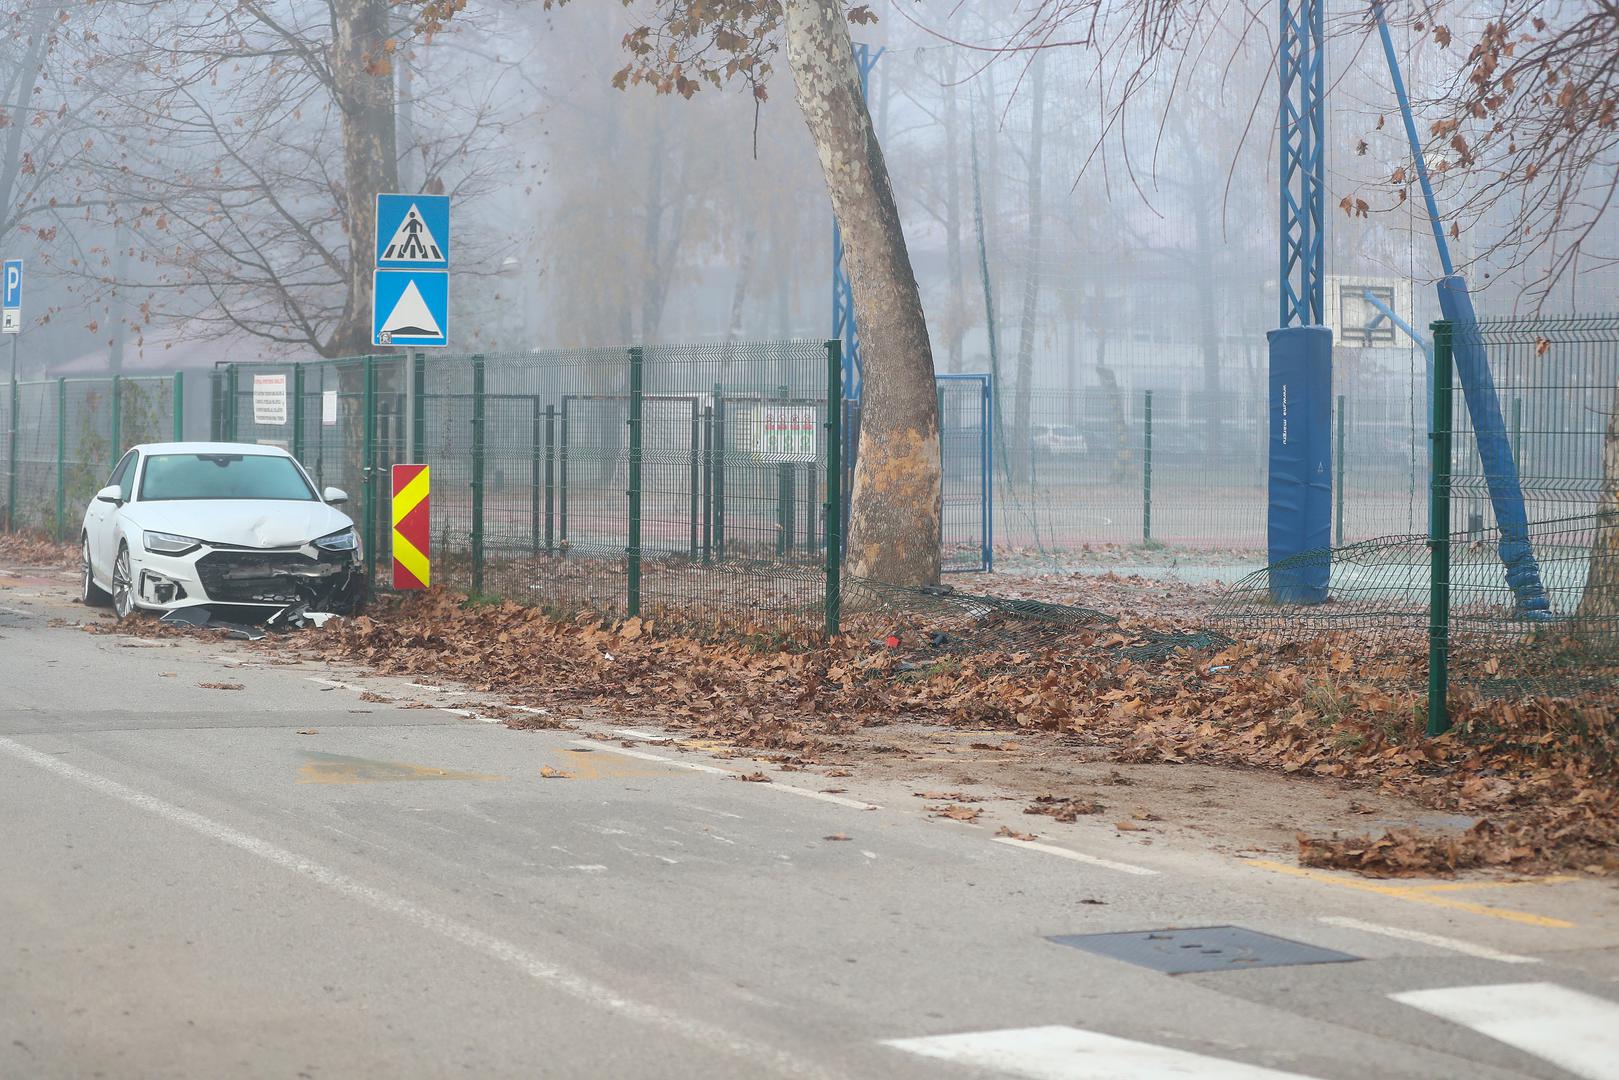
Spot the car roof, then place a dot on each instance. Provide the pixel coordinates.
(210, 448)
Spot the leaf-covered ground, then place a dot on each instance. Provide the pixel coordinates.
(1538, 776)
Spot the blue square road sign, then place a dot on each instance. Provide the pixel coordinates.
(413, 232)
(11, 307)
(411, 307)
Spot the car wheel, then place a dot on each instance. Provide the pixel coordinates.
(90, 594)
(123, 584)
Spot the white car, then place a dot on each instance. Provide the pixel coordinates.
(223, 524)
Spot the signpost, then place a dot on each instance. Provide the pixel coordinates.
(410, 296)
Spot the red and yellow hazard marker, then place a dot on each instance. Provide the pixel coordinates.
(412, 532)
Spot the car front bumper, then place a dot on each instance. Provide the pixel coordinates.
(318, 579)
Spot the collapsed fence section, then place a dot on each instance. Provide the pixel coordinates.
(60, 438)
(693, 484)
(1444, 607)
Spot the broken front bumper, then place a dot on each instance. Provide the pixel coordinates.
(323, 581)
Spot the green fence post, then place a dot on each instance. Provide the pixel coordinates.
(477, 474)
(179, 406)
(11, 458)
(61, 455)
(368, 468)
(297, 439)
(633, 550)
(114, 451)
(1338, 484)
(536, 463)
(1439, 535)
(834, 484)
(550, 475)
(230, 402)
(1146, 477)
(784, 497)
(708, 484)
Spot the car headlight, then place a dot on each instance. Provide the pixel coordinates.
(339, 541)
(162, 543)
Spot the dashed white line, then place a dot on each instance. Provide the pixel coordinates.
(535, 967)
(1573, 1031)
(1438, 941)
(787, 789)
(1076, 856)
(1065, 1053)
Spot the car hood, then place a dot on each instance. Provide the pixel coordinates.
(249, 523)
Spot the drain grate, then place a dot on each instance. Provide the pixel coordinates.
(1202, 948)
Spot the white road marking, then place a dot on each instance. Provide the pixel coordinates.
(1077, 856)
(1438, 941)
(786, 789)
(554, 976)
(17, 611)
(1065, 1053)
(1574, 1031)
(630, 733)
(333, 683)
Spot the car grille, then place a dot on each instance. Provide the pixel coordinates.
(269, 577)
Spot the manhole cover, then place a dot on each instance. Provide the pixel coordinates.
(1202, 948)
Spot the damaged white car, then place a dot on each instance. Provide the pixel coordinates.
(182, 525)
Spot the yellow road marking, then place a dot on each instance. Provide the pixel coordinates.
(337, 769)
(1416, 894)
(1463, 886)
(606, 765)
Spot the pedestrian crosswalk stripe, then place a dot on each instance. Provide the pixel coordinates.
(1066, 1053)
(1576, 1032)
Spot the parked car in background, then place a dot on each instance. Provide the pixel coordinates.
(1057, 440)
(186, 524)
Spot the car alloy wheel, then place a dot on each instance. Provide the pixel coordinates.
(90, 593)
(123, 590)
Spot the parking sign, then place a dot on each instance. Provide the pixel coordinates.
(11, 307)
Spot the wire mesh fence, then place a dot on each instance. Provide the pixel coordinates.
(62, 438)
(687, 484)
(1514, 592)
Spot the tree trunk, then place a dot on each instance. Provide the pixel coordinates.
(363, 86)
(1031, 278)
(39, 31)
(895, 512)
(1601, 597)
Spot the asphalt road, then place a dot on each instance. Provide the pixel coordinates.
(189, 887)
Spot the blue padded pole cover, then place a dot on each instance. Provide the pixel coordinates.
(1494, 449)
(1300, 506)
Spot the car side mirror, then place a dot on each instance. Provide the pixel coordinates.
(111, 493)
(335, 495)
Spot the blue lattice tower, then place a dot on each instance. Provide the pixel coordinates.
(1299, 515)
(843, 323)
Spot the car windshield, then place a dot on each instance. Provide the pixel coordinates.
(223, 476)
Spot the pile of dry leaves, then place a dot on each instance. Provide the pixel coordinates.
(35, 551)
(1539, 776)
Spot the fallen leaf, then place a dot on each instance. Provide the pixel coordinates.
(835, 836)
(548, 773)
(753, 777)
(1126, 826)
(1014, 834)
(954, 812)
(307, 731)
(221, 685)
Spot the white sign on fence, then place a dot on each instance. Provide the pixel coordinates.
(328, 408)
(785, 433)
(270, 399)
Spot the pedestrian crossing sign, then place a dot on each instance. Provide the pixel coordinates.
(413, 232)
(411, 307)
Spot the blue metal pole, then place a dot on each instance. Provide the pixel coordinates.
(843, 322)
(1416, 144)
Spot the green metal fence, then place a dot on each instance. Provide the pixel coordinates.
(688, 484)
(1444, 594)
(60, 438)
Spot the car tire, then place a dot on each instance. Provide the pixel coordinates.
(123, 584)
(90, 594)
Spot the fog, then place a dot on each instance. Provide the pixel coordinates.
(175, 186)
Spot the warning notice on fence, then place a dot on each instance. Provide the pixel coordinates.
(270, 399)
(328, 408)
(785, 433)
